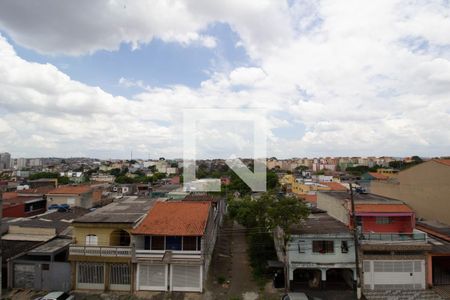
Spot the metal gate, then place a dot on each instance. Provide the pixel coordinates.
(24, 275)
(90, 276)
(394, 274)
(120, 277)
(186, 278)
(152, 277)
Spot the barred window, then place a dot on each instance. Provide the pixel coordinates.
(323, 247)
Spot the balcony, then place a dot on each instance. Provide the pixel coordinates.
(106, 251)
(163, 255)
(416, 236)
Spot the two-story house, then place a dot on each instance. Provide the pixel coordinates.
(174, 244)
(101, 255)
(392, 251)
(320, 253)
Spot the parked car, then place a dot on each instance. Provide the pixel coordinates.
(53, 206)
(56, 296)
(298, 296)
(60, 207)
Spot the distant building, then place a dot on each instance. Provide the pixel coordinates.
(74, 195)
(5, 161)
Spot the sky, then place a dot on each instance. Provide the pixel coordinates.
(315, 78)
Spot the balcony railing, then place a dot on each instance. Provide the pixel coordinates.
(109, 251)
(416, 236)
(175, 254)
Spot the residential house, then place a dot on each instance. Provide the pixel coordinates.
(84, 196)
(392, 251)
(101, 255)
(321, 250)
(35, 250)
(174, 245)
(425, 187)
(438, 259)
(24, 203)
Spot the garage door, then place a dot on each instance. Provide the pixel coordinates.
(152, 277)
(394, 274)
(24, 276)
(186, 278)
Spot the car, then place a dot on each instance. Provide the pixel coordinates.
(53, 206)
(66, 206)
(56, 296)
(298, 296)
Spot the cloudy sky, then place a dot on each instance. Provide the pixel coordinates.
(103, 78)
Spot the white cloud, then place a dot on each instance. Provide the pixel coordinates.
(343, 70)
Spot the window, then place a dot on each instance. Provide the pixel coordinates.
(323, 247)
(157, 243)
(383, 220)
(91, 240)
(301, 247)
(344, 246)
(173, 243)
(358, 221)
(190, 243)
(147, 242)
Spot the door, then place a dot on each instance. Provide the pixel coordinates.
(186, 278)
(152, 277)
(24, 276)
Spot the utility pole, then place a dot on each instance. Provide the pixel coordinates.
(356, 243)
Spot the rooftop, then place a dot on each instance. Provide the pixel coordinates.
(443, 161)
(382, 208)
(176, 218)
(71, 189)
(378, 176)
(51, 247)
(126, 210)
(334, 186)
(320, 223)
(360, 198)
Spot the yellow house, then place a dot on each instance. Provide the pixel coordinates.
(302, 188)
(287, 179)
(388, 172)
(101, 256)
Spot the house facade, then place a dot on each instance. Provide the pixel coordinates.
(174, 245)
(320, 249)
(101, 255)
(74, 195)
(393, 253)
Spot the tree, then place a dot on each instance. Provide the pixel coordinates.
(264, 214)
(285, 213)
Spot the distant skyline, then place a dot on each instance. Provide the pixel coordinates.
(101, 79)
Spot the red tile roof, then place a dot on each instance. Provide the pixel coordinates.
(309, 198)
(176, 219)
(378, 176)
(335, 186)
(71, 189)
(443, 161)
(391, 208)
